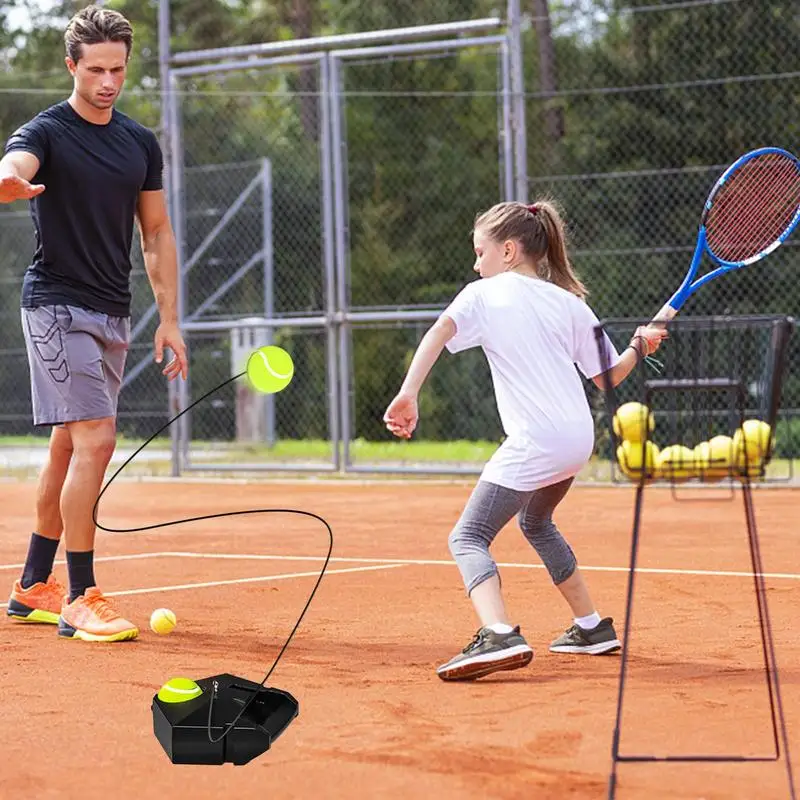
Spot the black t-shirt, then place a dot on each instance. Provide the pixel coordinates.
(84, 218)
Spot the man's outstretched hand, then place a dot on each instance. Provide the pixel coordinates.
(12, 188)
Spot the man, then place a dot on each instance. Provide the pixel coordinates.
(88, 171)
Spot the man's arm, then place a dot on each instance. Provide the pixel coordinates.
(158, 249)
(17, 169)
(161, 264)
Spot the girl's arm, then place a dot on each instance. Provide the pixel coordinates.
(402, 414)
(645, 342)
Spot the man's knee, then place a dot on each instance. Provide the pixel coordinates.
(60, 447)
(95, 439)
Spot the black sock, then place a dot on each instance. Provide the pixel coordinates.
(39, 563)
(80, 566)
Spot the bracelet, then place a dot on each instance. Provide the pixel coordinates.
(635, 350)
(647, 347)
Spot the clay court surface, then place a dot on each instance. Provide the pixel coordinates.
(375, 721)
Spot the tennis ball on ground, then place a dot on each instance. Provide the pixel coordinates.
(676, 463)
(270, 369)
(631, 421)
(179, 690)
(629, 456)
(754, 438)
(162, 620)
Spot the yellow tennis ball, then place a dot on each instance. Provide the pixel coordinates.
(676, 463)
(162, 620)
(179, 690)
(709, 467)
(720, 456)
(629, 456)
(270, 369)
(631, 421)
(754, 438)
(702, 458)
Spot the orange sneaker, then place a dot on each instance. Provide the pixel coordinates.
(91, 617)
(38, 603)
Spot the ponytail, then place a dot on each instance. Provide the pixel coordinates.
(540, 230)
(561, 272)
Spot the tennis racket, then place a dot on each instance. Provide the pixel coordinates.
(752, 210)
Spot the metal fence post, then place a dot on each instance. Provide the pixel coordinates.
(518, 101)
(327, 96)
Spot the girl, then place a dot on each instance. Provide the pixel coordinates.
(530, 318)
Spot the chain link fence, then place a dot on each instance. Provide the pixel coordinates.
(632, 112)
(255, 251)
(632, 116)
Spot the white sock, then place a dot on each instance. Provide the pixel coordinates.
(501, 627)
(589, 622)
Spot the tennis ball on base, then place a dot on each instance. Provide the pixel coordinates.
(162, 621)
(179, 690)
(629, 457)
(630, 421)
(270, 369)
(676, 463)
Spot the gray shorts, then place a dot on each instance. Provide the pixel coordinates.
(76, 359)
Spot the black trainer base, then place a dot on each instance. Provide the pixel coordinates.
(183, 729)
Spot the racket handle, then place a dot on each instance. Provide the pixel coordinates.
(666, 314)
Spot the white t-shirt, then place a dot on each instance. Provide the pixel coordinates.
(533, 334)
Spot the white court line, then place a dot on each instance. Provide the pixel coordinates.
(262, 578)
(433, 562)
(130, 557)
(430, 562)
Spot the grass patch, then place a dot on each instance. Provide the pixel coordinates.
(362, 453)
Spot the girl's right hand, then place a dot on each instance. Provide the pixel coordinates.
(650, 337)
(402, 415)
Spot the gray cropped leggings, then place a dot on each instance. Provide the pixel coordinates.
(489, 508)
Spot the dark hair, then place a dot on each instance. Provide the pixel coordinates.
(540, 230)
(94, 25)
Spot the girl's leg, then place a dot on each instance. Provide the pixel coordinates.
(488, 510)
(536, 522)
(496, 646)
(589, 633)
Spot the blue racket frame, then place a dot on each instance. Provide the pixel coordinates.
(688, 287)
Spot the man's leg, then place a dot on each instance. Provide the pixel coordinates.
(51, 481)
(93, 443)
(44, 541)
(88, 615)
(37, 595)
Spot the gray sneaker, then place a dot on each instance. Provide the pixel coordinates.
(595, 641)
(488, 652)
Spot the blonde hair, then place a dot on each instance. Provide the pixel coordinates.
(94, 25)
(540, 230)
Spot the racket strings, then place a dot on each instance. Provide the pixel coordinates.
(754, 208)
(770, 186)
(778, 191)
